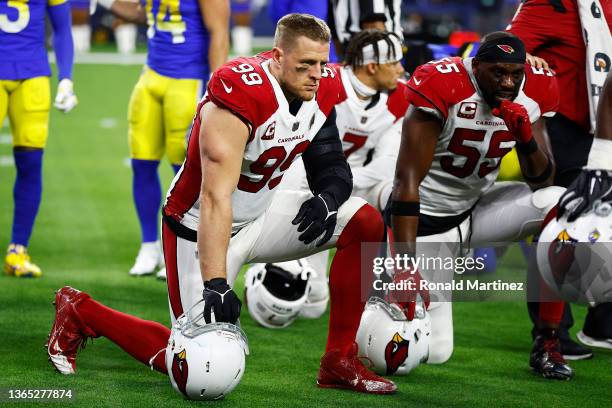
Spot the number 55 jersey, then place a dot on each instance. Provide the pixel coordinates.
(472, 141)
(277, 137)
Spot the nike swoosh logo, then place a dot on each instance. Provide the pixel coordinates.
(227, 89)
(417, 82)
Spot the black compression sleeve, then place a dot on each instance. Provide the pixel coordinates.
(326, 167)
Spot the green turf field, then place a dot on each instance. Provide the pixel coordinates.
(87, 235)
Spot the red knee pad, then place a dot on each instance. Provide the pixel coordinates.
(366, 225)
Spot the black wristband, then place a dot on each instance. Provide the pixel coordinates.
(542, 177)
(527, 148)
(215, 282)
(405, 208)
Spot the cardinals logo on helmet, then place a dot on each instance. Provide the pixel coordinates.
(396, 352)
(561, 256)
(506, 48)
(180, 370)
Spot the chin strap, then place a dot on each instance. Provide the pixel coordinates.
(154, 357)
(359, 87)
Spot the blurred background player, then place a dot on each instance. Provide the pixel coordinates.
(188, 40)
(242, 33)
(125, 32)
(318, 8)
(25, 95)
(81, 29)
(279, 8)
(553, 30)
(347, 17)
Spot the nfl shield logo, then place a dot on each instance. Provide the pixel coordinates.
(364, 119)
(295, 127)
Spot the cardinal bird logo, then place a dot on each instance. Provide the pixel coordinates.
(396, 352)
(506, 48)
(180, 370)
(561, 256)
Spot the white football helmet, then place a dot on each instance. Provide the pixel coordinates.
(205, 361)
(393, 344)
(275, 293)
(574, 258)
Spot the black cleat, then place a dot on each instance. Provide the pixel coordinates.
(575, 351)
(546, 358)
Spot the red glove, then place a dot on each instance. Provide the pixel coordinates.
(517, 119)
(407, 300)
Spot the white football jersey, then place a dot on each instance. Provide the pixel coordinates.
(473, 141)
(277, 138)
(372, 127)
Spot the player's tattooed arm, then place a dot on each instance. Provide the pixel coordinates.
(538, 167)
(420, 134)
(223, 137)
(216, 14)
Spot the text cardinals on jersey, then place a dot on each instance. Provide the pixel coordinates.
(277, 138)
(473, 140)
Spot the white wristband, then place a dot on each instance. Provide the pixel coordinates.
(600, 157)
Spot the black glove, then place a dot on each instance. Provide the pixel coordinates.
(589, 187)
(317, 215)
(221, 300)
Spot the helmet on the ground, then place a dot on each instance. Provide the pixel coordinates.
(393, 344)
(205, 361)
(275, 293)
(574, 259)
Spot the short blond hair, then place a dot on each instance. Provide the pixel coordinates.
(295, 25)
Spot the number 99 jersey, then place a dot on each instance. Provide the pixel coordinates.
(277, 137)
(472, 141)
(178, 40)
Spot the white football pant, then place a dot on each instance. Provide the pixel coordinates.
(269, 238)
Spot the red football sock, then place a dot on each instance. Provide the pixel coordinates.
(142, 339)
(345, 277)
(551, 313)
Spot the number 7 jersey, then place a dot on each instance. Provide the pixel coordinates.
(277, 137)
(472, 141)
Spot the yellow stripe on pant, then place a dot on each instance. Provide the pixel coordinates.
(160, 112)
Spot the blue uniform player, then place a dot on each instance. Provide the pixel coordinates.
(187, 39)
(25, 96)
